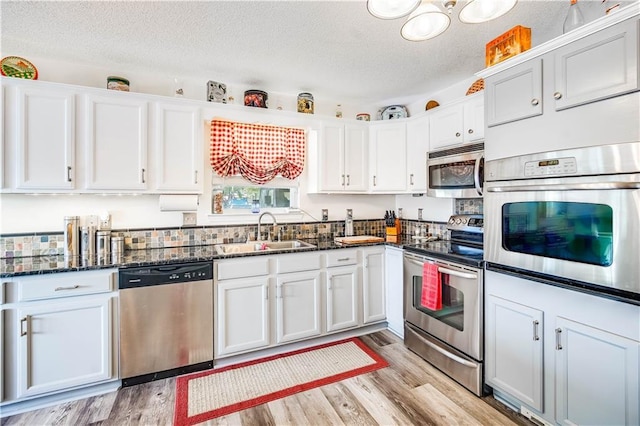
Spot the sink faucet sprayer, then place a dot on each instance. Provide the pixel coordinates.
(275, 223)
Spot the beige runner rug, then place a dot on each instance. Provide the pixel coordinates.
(214, 393)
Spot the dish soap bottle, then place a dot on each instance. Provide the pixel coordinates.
(574, 18)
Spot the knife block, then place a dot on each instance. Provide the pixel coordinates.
(394, 234)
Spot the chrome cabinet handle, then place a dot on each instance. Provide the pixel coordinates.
(24, 330)
(535, 330)
(470, 131)
(558, 339)
(68, 173)
(374, 181)
(343, 259)
(143, 176)
(535, 102)
(457, 134)
(557, 95)
(348, 180)
(411, 179)
(66, 288)
(195, 177)
(342, 184)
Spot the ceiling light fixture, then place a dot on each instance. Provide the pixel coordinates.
(477, 11)
(426, 20)
(391, 9)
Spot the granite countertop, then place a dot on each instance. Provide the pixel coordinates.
(10, 267)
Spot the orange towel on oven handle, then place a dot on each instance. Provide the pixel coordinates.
(431, 297)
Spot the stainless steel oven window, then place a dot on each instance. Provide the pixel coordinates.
(452, 312)
(574, 231)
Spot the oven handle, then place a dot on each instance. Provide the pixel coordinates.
(568, 187)
(449, 355)
(476, 176)
(448, 271)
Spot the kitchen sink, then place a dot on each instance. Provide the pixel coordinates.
(259, 246)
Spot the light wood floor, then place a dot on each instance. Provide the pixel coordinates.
(409, 392)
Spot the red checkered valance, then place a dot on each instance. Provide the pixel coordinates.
(258, 152)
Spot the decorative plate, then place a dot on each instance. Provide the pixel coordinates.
(15, 66)
(431, 104)
(477, 86)
(393, 112)
(216, 92)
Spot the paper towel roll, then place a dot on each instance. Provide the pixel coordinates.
(178, 203)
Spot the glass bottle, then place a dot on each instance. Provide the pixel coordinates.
(574, 18)
(217, 199)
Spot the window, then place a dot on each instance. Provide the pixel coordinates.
(236, 195)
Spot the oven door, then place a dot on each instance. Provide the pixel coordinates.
(585, 229)
(455, 176)
(459, 322)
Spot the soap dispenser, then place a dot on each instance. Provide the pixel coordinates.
(348, 224)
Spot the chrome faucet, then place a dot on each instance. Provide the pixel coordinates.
(260, 224)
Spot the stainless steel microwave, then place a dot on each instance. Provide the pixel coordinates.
(456, 172)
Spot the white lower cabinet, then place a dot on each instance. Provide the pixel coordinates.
(342, 297)
(373, 285)
(298, 306)
(565, 356)
(58, 337)
(242, 315)
(394, 289)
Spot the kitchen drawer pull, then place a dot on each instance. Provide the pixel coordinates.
(24, 330)
(536, 337)
(68, 173)
(558, 339)
(535, 102)
(343, 259)
(557, 96)
(66, 288)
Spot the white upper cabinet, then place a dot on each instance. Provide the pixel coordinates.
(342, 158)
(388, 156)
(460, 122)
(116, 134)
(417, 149)
(44, 139)
(179, 148)
(580, 89)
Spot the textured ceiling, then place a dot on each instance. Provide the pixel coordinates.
(331, 47)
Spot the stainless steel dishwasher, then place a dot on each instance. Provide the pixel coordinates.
(166, 321)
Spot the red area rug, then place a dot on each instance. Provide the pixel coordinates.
(214, 393)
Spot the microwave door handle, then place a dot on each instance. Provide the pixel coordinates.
(592, 186)
(457, 273)
(476, 175)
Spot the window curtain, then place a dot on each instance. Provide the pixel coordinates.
(257, 152)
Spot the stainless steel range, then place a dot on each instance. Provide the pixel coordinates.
(450, 335)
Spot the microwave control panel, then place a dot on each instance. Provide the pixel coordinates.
(551, 167)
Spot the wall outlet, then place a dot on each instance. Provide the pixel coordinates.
(104, 221)
(325, 215)
(419, 214)
(189, 219)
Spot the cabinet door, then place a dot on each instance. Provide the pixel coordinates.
(332, 158)
(597, 67)
(513, 350)
(596, 376)
(342, 298)
(45, 139)
(417, 149)
(242, 315)
(446, 126)
(394, 290)
(355, 158)
(116, 136)
(388, 157)
(373, 286)
(63, 345)
(179, 148)
(474, 118)
(514, 94)
(298, 306)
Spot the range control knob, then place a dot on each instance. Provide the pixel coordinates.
(458, 221)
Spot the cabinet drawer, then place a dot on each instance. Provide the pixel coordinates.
(298, 262)
(64, 284)
(240, 268)
(342, 257)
